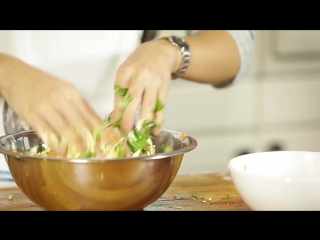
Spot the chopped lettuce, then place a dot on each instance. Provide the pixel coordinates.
(107, 141)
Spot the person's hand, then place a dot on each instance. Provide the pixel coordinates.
(147, 75)
(52, 107)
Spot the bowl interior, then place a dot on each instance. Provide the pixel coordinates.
(23, 141)
(290, 164)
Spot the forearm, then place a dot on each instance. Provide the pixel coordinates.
(13, 71)
(216, 56)
(7, 65)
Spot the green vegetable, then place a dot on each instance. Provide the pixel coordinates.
(227, 197)
(135, 146)
(120, 91)
(117, 124)
(120, 151)
(159, 106)
(166, 149)
(127, 99)
(89, 155)
(198, 196)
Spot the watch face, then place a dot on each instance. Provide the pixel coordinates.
(180, 42)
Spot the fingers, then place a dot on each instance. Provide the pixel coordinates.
(122, 80)
(44, 131)
(65, 123)
(54, 129)
(149, 101)
(135, 90)
(159, 115)
(91, 119)
(126, 106)
(80, 120)
(74, 103)
(145, 90)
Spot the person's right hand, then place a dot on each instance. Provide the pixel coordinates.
(51, 106)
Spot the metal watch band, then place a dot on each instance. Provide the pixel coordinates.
(185, 53)
(184, 64)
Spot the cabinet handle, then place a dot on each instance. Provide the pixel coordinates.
(275, 147)
(243, 152)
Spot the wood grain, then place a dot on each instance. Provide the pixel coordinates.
(201, 192)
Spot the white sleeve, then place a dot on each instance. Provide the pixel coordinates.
(245, 40)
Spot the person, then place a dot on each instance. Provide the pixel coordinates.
(63, 81)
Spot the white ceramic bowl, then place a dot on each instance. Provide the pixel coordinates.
(281, 180)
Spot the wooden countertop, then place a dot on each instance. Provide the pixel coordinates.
(200, 192)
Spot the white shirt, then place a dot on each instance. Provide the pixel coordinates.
(88, 59)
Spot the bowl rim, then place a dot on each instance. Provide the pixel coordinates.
(231, 168)
(193, 144)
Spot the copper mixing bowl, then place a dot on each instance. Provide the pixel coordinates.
(94, 184)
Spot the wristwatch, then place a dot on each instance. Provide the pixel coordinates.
(183, 47)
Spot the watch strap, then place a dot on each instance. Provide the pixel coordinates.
(185, 54)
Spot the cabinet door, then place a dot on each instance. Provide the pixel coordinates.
(288, 50)
(289, 99)
(222, 121)
(197, 107)
(291, 138)
(214, 151)
(297, 43)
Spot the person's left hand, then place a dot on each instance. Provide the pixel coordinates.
(147, 75)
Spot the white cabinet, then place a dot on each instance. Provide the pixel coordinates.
(221, 120)
(294, 99)
(296, 42)
(282, 51)
(215, 150)
(193, 106)
(289, 89)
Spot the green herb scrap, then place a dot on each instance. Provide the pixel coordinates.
(227, 197)
(198, 196)
(166, 149)
(127, 98)
(159, 106)
(89, 155)
(120, 91)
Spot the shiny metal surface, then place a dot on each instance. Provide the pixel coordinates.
(94, 184)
